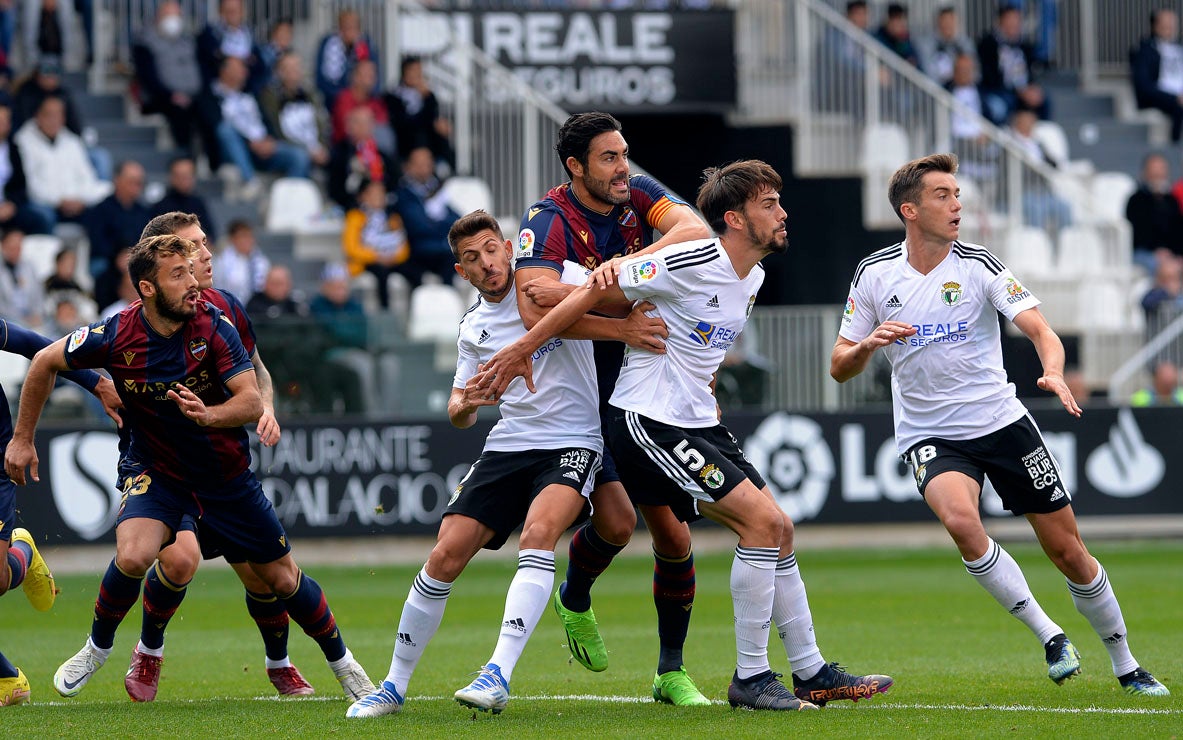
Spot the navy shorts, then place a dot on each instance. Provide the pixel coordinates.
(1014, 458)
(500, 486)
(240, 518)
(7, 508)
(663, 465)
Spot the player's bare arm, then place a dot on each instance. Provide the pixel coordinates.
(1051, 354)
(43, 372)
(244, 405)
(848, 358)
(109, 397)
(679, 224)
(636, 329)
(464, 403)
(268, 427)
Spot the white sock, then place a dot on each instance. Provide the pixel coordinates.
(753, 574)
(101, 653)
(1097, 602)
(283, 662)
(155, 652)
(340, 664)
(524, 603)
(794, 622)
(422, 612)
(999, 574)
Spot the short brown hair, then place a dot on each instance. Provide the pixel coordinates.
(908, 181)
(145, 256)
(169, 223)
(469, 225)
(727, 188)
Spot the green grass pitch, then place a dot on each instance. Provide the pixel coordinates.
(963, 667)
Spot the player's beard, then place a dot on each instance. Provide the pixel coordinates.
(178, 311)
(773, 243)
(602, 190)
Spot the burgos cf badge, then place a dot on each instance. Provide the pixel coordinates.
(711, 476)
(198, 347)
(628, 218)
(951, 293)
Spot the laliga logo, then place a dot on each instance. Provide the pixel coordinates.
(1126, 466)
(80, 468)
(797, 461)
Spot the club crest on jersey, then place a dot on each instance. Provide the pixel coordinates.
(198, 347)
(951, 293)
(712, 476)
(628, 218)
(646, 270)
(526, 242)
(77, 338)
(751, 303)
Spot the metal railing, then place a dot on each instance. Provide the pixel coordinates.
(1165, 344)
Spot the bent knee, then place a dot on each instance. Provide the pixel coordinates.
(180, 566)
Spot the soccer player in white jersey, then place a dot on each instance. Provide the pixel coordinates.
(538, 466)
(666, 436)
(929, 303)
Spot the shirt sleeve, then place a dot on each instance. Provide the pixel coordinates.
(466, 364)
(21, 341)
(858, 317)
(231, 358)
(661, 201)
(543, 240)
(1008, 295)
(242, 322)
(647, 276)
(89, 346)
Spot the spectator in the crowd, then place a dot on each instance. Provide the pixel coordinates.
(65, 266)
(62, 316)
(426, 215)
(241, 266)
(939, 50)
(415, 115)
(59, 171)
(46, 81)
(46, 27)
(1164, 389)
(1041, 206)
(358, 159)
(275, 300)
(360, 94)
(1164, 301)
(117, 221)
(230, 37)
(62, 285)
(977, 153)
(344, 320)
(1153, 212)
(1156, 68)
(113, 290)
(245, 141)
(895, 35)
(294, 110)
(181, 195)
(15, 209)
(373, 239)
(279, 42)
(20, 287)
(1008, 69)
(339, 53)
(167, 73)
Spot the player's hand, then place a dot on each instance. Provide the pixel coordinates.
(476, 396)
(643, 331)
(190, 405)
(495, 375)
(887, 333)
(105, 392)
(1055, 384)
(605, 274)
(268, 428)
(546, 293)
(21, 454)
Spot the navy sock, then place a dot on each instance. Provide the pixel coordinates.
(271, 617)
(308, 608)
(117, 595)
(19, 555)
(588, 556)
(161, 599)
(7, 670)
(673, 595)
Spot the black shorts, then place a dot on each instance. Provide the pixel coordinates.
(1014, 458)
(663, 465)
(500, 486)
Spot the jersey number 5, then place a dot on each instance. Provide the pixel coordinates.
(692, 457)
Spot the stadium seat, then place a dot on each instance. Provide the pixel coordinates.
(1029, 252)
(1051, 136)
(467, 194)
(1110, 191)
(435, 313)
(1081, 252)
(13, 369)
(885, 148)
(293, 204)
(1102, 305)
(40, 252)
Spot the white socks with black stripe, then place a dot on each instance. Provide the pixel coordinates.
(524, 603)
(422, 613)
(999, 574)
(1096, 601)
(753, 573)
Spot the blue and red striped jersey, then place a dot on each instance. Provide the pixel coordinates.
(229, 304)
(203, 355)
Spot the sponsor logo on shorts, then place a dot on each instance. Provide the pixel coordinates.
(577, 460)
(712, 476)
(1042, 470)
(951, 293)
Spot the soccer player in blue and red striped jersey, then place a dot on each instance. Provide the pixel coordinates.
(188, 387)
(601, 214)
(20, 562)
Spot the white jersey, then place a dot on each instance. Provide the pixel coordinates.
(947, 380)
(704, 305)
(564, 412)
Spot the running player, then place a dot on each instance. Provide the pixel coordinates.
(666, 437)
(167, 582)
(21, 564)
(929, 303)
(188, 387)
(603, 213)
(538, 466)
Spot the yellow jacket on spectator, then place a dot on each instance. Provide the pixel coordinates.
(370, 235)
